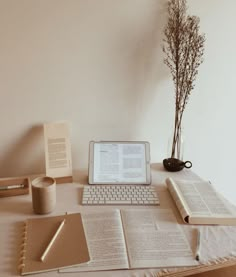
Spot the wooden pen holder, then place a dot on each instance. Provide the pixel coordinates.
(14, 186)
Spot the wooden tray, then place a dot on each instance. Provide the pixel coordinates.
(14, 186)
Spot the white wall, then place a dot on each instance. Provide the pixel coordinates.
(99, 65)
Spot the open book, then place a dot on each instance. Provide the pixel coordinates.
(199, 203)
(134, 238)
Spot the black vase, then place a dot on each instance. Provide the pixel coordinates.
(173, 164)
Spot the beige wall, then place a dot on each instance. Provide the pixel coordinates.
(99, 65)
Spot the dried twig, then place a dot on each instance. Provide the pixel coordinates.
(183, 48)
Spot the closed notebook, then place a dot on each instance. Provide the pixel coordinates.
(68, 249)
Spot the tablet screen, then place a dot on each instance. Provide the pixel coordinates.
(119, 163)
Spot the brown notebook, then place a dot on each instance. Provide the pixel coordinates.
(68, 249)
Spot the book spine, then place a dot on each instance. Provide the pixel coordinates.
(23, 250)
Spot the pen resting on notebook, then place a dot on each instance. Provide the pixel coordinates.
(52, 241)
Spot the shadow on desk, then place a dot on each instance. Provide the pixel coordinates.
(19, 206)
(223, 272)
(80, 176)
(158, 166)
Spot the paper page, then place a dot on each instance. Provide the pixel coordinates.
(217, 242)
(203, 200)
(178, 199)
(57, 149)
(160, 174)
(119, 162)
(105, 241)
(154, 239)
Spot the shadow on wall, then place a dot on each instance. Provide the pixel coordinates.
(123, 65)
(148, 56)
(19, 159)
(147, 70)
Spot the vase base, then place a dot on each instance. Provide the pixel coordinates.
(173, 164)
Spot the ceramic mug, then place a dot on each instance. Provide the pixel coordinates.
(43, 195)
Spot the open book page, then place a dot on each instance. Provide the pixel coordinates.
(105, 241)
(178, 199)
(154, 239)
(203, 203)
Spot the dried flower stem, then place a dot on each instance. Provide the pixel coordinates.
(183, 48)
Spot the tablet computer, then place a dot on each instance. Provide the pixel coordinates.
(119, 162)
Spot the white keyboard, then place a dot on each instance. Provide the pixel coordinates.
(119, 195)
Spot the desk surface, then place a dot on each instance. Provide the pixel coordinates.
(14, 210)
(222, 272)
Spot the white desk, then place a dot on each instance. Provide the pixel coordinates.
(14, 210)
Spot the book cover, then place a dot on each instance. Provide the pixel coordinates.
(68, 249)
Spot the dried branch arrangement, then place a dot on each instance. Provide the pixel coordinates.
(183, 48)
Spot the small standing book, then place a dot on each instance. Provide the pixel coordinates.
(58, 158)
(69, 245)
(199, 203)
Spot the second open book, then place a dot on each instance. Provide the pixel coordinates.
(134, 238)
(199, 203)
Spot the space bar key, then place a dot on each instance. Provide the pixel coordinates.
(117, 202)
